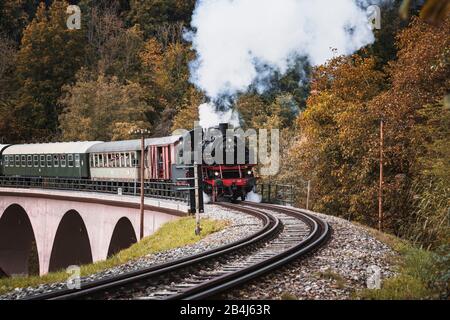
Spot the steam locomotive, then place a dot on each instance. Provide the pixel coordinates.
(227, 167)
(164, 160)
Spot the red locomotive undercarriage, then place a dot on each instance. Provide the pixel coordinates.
(225, 181)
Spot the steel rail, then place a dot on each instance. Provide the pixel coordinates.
(271, 227)
(320, 232)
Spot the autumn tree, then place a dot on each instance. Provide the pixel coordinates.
(166, 74)
(427, 224)
(15, 15)
(7, 64)
(188, 111)
(102, 109)
(112, 48)
(151, 14)
(49, 57)
(338, 143)
(336, 147)
(8, 87)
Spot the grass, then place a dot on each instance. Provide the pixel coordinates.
(288, 296)
(417, 273)
(331, 275)
(171, 235)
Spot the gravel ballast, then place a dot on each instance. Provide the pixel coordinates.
(241, 225)
(334, 272)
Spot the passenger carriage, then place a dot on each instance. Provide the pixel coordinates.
(65, 160)
(2, 148)
(120, 160)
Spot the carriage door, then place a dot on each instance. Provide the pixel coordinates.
(160, 162)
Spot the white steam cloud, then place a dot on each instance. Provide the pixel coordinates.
(206, 198)
(254, 197)
(210, 117)
(242, 42)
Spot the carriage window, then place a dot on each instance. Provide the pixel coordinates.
(56, 160)
(119, 160)
(70, 160)
(29, 161)
(23, 160)
(113, 161)
(116, 160)
(49, 161)
(17, 161)
(110, 162)
(100, 160)
(42, 161)
(77, 160)
(63, 158)
(11, 161)
(126, 158)
(6, 161)
(36, 161)
(134, 160)
(122, 160)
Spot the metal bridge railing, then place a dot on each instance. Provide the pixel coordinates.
(276, 193)
(162, 190)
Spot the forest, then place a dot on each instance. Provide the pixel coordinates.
(128, 68)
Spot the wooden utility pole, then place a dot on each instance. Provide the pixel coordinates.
(142, 184)
(307, 194)
(380, 190)
(142, 133)
(197, 201)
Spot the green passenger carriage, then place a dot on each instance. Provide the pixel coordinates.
(66, 159)
(2, 148)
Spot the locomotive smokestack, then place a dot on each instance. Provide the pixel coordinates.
(223, 127)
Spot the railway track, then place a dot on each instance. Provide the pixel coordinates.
(286, 234)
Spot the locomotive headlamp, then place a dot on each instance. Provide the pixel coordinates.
(249, 172)
(216, 173)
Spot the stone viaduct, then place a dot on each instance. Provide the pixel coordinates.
(50, 230)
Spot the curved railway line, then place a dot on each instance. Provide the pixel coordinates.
(286, 234)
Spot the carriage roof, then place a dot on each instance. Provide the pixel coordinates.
(132, 145)
(51, 148)
(3, 147)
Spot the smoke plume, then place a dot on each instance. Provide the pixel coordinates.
(243, 42)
